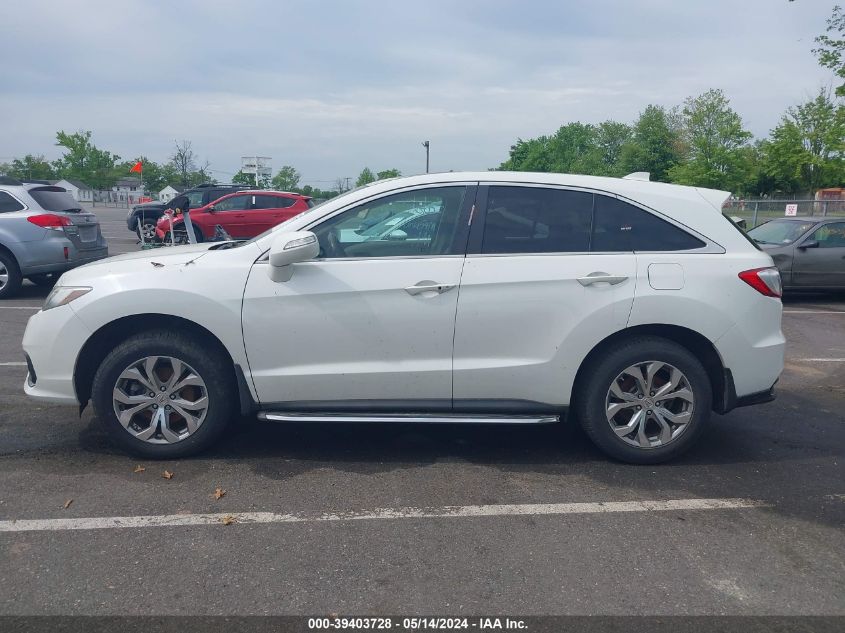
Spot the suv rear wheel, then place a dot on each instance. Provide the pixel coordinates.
(10, 275)
(164, 395)
(645, 402)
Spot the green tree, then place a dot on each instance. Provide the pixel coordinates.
(286, 179)
(82, 160)
(653, 146)
(31, 167)
(603, 157)
(806, 151)
(365, 177)
(156, 177)
(242, 178)
(831, 50)
(715, 136)
(389, 173)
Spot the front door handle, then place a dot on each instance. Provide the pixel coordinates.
(600, 277)
(428, 286)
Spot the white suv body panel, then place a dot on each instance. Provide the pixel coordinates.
(525, 323)
(348, 330)
(510, 341)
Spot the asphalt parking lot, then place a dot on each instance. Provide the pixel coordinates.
(375, 519)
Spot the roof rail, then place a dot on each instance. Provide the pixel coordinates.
(638, 175)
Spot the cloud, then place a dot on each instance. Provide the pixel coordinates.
(333, 86)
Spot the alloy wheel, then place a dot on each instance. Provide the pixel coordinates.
(649, 404)
(160, 400)
(148, 231)
(4, 275)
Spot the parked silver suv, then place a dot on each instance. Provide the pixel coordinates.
(43, 232)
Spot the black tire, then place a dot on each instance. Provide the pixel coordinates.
(210, 363)
(11, 279)
(148, 227)
(591, 398)
(45, 280)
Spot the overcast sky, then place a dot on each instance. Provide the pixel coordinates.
(333, 86)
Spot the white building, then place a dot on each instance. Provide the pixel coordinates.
(169, 192)
(78, 189)
(128, 184)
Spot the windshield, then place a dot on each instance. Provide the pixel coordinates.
(54, 199)
(779, 231)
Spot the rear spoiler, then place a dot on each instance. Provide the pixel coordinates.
(714, 197)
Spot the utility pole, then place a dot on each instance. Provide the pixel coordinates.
(347, 182)
(426, 145)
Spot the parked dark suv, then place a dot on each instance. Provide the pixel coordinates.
(150, 212)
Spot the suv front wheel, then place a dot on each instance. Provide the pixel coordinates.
(646, 401)
(163, 394)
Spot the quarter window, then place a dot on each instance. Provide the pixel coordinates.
(620, 226)
(8, 203)
(411, 223)
(273, 202)
(537, 220)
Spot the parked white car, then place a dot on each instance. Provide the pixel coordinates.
(637, 306)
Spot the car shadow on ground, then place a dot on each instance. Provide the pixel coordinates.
(763, 435)
(30, 291)
(798, 297)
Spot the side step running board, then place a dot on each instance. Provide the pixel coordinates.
(284, 416)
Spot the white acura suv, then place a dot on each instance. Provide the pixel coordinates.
(514, 298)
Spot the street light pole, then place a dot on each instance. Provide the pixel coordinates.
(426, 145)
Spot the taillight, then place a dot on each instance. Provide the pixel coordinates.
(49, 221)
(766, 281)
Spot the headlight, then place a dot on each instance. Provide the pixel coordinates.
(62, 295)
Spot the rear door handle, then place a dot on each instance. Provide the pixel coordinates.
(600, 277)
(428, 286)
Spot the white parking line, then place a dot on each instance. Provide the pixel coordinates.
(820, 360)
(20, 307)
(15, 364)
(446, 512)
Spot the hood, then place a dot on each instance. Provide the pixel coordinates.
(164, 255)
(167, 257)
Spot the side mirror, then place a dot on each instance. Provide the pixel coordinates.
(809, 244)
(397, 234)
(290, 248)
(211, 208)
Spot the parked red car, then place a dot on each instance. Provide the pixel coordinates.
(243, 214)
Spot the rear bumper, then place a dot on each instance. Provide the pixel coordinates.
(75, 258)
(136, 214)
(730, 401)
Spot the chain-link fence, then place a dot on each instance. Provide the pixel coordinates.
(757, 211)
(119, 199)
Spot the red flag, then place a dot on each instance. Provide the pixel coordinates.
(136, 168)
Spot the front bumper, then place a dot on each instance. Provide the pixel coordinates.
(51, 344)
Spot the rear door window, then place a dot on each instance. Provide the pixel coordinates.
(622, 227)
(9, 203)
(537, 220)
